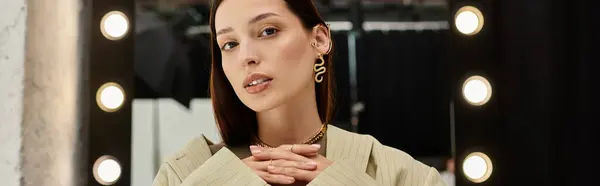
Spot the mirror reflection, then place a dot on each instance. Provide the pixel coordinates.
(389, 75)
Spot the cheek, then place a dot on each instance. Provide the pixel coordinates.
(229, 73)
(294, 57)
(302, 67)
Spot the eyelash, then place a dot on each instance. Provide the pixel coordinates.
(275, 30)
(226, 44)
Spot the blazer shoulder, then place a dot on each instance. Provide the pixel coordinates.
(405, 166)
(337, 132)
(191, 156)
(378, 150)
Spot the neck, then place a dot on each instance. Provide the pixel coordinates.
(291, 123)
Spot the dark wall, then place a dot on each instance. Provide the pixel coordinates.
(403, 82)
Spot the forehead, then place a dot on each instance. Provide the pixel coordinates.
(234, 13)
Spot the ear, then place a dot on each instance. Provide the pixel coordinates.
(321, 39)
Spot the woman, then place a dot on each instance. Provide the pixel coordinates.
(271, 87)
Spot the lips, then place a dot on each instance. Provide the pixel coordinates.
(256, 83)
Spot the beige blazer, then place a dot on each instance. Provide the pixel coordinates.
(358, 160)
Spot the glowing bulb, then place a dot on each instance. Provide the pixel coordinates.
(107, 170)
(114, 25)
(477, 167)
(469, 20)
(477, 90)
(110, 97)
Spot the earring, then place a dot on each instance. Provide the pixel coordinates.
(319, 69)
(330, 42)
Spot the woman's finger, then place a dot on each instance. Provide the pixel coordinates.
(275, 154)
(311, 165)
(275, 178)
(261, 170)
(256, 164)
(285, 163)
(301, 149)
(297, 174)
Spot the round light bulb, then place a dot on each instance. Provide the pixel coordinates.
(107, 170)
(477, 167)
(114, 25)
(110, 97)
(468, 20)
(477, 90)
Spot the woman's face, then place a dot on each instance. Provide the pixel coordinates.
(266, 52)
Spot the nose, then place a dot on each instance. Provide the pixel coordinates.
(249, 55)
(250, 61)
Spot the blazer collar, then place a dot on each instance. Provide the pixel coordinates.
(348, 147)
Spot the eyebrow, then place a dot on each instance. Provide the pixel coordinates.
(253, 20)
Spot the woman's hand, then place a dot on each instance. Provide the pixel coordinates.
(281, 157)
(287, 167)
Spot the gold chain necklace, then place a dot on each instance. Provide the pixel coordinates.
(310, 140)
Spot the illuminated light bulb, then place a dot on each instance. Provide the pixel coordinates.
(468, 20)
(477, 90)
(477, 167)
(107, 170)
(110, 97)
(114, 25)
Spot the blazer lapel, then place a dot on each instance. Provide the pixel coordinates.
(193, 156)
(348, 147)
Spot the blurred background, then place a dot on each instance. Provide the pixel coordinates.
(100, 92)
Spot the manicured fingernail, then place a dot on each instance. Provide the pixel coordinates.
(256, 151)
(271, 167)
(290, 180)
(253, 147)
(312, 163)
(316, 145)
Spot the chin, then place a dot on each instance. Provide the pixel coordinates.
(261, 103)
